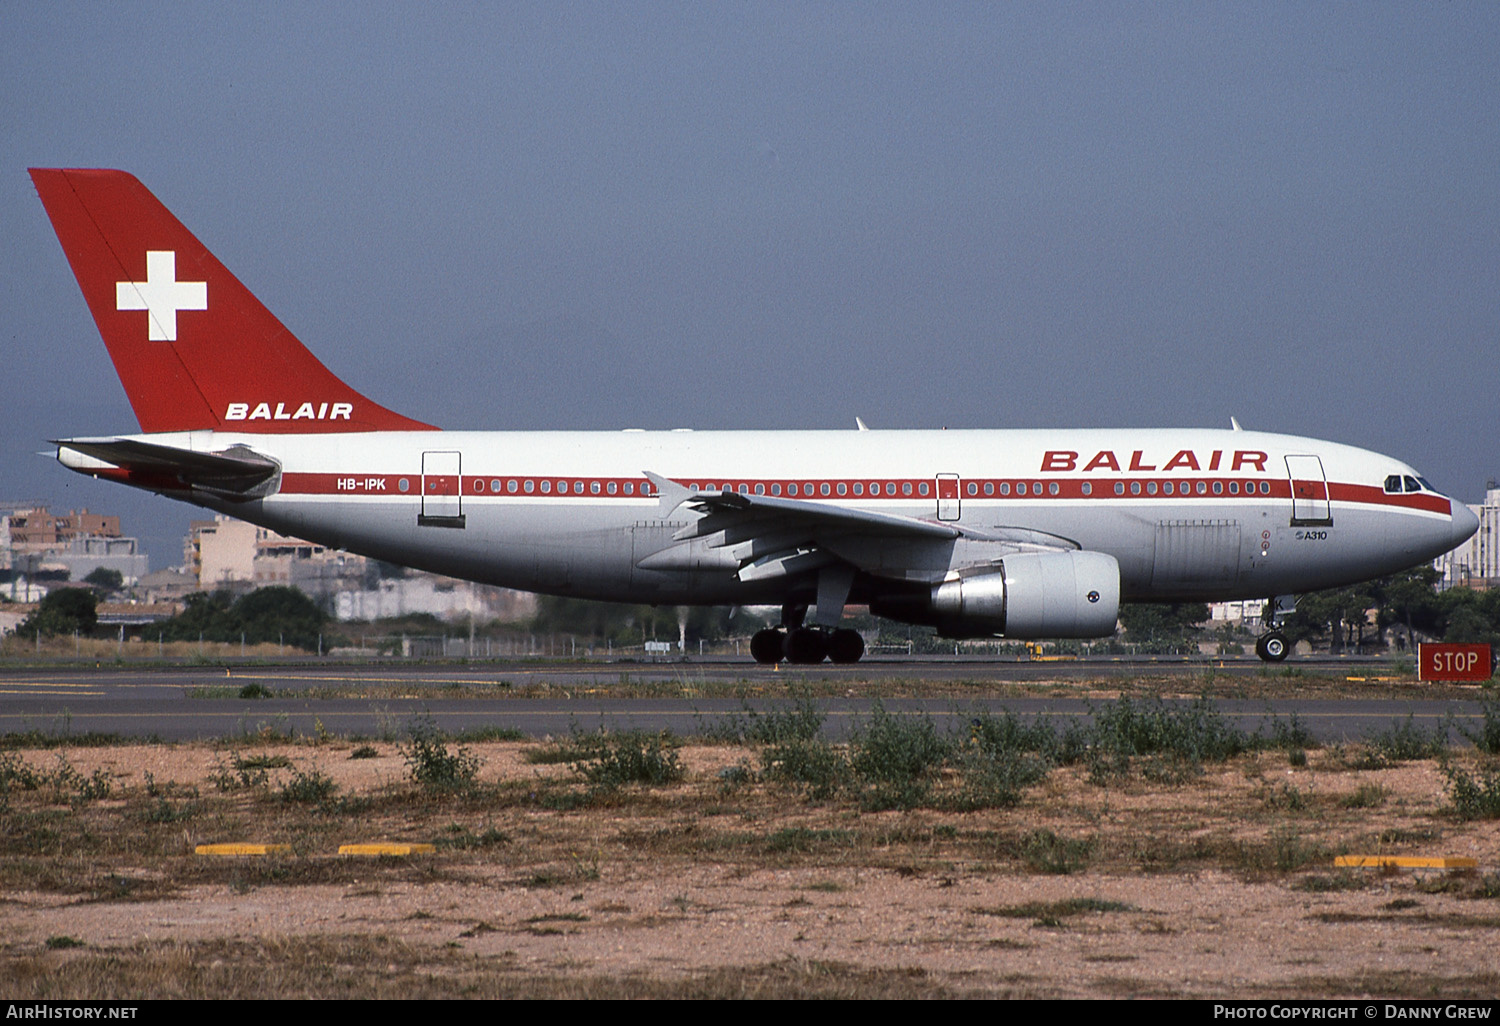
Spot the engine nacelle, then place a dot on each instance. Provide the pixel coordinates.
(1031, 595)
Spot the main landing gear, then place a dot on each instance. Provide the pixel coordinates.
(806, 646)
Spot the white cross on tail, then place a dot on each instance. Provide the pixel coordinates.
(161, 295)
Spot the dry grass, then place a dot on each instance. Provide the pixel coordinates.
(723, 884)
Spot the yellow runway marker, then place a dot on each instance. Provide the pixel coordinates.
(386, 849)
(243, 849)
(1403, 862)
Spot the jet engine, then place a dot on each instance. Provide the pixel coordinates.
(1027, 595)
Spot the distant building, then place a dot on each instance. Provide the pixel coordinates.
(1476, 563)
(224, 553)
(34, 540)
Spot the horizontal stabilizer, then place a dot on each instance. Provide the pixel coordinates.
(234, 473)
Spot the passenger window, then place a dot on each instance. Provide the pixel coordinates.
(1150, 487)
(890, 488)
(1004, 487)
(1020, 487)
(905, 487)
(843, 488)
(1119, 487)
(791, 489)
(859, 488)
(775, 489)
(989, 488)
(1135, 488)
(823, 489)
(922, 488)
(972, 488)
(1088, 489)
(1168, 488)
(1053, 488)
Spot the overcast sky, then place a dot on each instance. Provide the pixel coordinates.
(758, 215)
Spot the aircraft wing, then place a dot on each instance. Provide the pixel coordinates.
(235, 473)
(768, 536)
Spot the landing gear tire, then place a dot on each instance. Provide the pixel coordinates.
(768, 646)
(806, 646)
(845, 646)
(1272, 647)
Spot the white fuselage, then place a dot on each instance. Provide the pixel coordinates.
(1188, 514)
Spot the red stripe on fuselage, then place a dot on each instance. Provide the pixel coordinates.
(559, 486)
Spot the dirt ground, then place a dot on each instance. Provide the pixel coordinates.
(1221, 885)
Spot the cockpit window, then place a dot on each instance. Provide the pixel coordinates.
(1412, 485)
(1393, 485)
(1428, 485)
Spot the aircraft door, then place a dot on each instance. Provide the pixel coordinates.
(948, 502)
(1309, 491)
(442, 494)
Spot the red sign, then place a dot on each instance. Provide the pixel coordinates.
(1453, 662)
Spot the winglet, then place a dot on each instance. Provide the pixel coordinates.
(859, 424)
(1235, 424)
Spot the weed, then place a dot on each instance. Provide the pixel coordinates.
(896, 757)
(736, 776)
(1046, 852)
(1471, 798)
(630, 757)
(1288, 735)
(1128, 728)
(256, 690)
(63, 941)
(801, 722)
(1286, 798)
(261, 762)
(462, 839)
(364, 752)
(1052, 913)
(1403, 741)
(1343, 880)
(16, 773)
(995, 781)
(1487, 737)
(804, 840)
(815, 764)
(430, 764)
(492, 732)
(308, 787)
(1366, 796)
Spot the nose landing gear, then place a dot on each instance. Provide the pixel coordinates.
(1272, 647)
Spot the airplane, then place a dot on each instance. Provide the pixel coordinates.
(1021, 534)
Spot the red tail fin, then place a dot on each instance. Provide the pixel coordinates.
(192, 346)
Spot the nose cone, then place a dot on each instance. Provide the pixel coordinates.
(1463, 524)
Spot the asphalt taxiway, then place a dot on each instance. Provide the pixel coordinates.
(176, 703)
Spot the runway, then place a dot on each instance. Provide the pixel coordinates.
(1335, 700)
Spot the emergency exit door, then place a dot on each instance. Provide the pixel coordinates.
(947, 497)
(442, 491)
(1309, 491)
